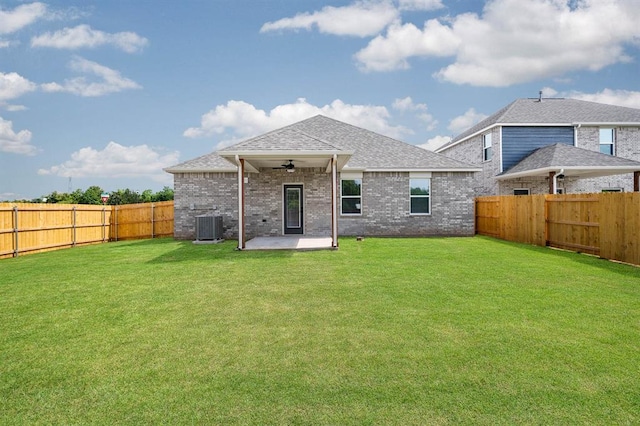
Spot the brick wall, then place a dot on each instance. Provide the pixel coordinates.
(627, 146)
(264, 195)
(205, 193)
(386, 207)
(470, 152)
(385, 202)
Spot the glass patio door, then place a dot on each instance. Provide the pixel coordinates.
(293, 213)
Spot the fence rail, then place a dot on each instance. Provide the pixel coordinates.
(603, 224)
(32, 228)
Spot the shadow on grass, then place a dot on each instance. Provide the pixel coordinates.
(570, 256)
(186, 251)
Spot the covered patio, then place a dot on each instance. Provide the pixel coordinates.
(286, 169)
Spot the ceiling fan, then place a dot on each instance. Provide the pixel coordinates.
(290, 167)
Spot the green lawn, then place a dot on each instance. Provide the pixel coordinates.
(383, 331)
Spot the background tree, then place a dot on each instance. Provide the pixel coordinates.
(93, 195)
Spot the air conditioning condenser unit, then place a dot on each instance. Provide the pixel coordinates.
(208, 228)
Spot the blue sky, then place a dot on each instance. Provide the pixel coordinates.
(109, 92)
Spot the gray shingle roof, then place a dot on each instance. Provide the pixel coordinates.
(369, 150)
(553, 111)
(205, 163)
(562, 156)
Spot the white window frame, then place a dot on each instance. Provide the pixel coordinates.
(420, 176)
(610, 131)
(521, 189)
(613, 189)
(487, 147)
(351, 176)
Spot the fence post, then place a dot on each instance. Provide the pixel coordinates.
(152, 221)
(546, 220)
(73, 226)
(103, 224)
(116, 222)
(15, 231)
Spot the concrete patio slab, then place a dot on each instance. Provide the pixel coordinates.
(289, 243)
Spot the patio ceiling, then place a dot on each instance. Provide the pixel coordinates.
(254, 161)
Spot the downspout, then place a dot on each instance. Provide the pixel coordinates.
(555, 181)
(575, 134)
(240, 163)
(334, 204)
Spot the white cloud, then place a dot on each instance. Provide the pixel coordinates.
(407, 105)
(420, 4)
(435, 143)
(240, 120)
(362, 18)
(109, 80)
(514, 41)
(391, 51)
(83, 36)
(625, 98)
(13, 85)
(23, 15)
(463, 122)
(15, 143)
(115, 161)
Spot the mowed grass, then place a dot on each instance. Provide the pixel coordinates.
(383, 331)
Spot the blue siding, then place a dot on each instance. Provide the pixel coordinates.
(518, 142)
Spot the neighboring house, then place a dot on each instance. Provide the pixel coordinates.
(552, 145)
(321, 177)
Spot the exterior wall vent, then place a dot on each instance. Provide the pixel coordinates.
(208, 228)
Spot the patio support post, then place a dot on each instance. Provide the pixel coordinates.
(636, 181)
(552, 182)
(334, 205)
(241, 235)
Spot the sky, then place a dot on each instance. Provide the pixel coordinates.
(109, 93)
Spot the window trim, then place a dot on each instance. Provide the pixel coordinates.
(613, 189)
(343, 178)
(487, 148)
(612, 144)
(426, 177)
(521, 189)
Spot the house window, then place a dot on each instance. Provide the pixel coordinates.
(607, 138)
(420, 194)
(521, 191)
(486, 147)
(351, 196)
(612, 190)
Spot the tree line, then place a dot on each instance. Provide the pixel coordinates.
(93, 195)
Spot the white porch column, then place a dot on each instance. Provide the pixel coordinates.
(334, 204)
(241, 236)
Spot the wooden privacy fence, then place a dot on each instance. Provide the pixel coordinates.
(33, 228)
(603, 224)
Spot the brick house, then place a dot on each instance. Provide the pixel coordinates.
(322, 178)
(552, 145)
